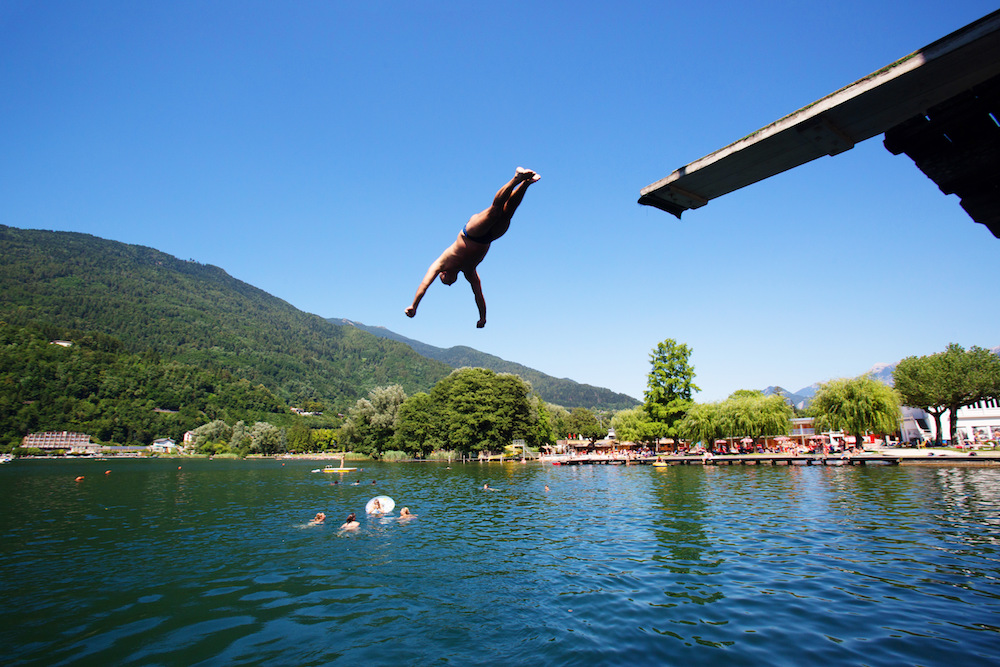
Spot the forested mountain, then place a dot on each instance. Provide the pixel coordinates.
(140, 315)
(94, 386)
(196, 315)
(560, 391)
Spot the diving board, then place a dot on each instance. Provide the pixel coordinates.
(958, 74)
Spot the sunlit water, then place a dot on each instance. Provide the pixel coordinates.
(213, 563)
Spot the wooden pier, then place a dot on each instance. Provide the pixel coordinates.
(780, 460)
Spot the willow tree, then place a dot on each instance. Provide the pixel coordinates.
(749, 413)
(634, 425)
(669, 384)
(703, 422)
(857, 406)
(948, 380)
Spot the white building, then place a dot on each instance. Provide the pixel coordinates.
(163, 446)
(977, 423)
(62, 442)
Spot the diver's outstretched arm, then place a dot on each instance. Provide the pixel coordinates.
(432, 273)
(477, 290)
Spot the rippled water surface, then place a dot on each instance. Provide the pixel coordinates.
(212, 563)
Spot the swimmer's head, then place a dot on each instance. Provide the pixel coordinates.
(350, 517)
(448, 277)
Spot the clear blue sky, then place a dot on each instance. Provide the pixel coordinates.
(326, 152)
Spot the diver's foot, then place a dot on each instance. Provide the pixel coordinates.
(527, 174)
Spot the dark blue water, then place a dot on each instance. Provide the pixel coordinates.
(213, 564)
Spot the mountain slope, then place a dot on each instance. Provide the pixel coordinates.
(561, 391)
(197, 314)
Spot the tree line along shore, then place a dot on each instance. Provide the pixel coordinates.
(475, 411)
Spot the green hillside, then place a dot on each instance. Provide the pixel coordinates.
(93, 386)
(162, 345)
(196, 315)
(560, 391)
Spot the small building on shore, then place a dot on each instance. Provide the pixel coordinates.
(163, 446)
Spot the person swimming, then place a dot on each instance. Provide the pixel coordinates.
(405, 513)
(351, 523)
(319, 518)
(376, 507)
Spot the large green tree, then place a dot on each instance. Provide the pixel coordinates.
(267, 439)
(559, 418)
(540, 427)
(416, 427)
(481, 410)
(371, 423)
(583, 424)
(669, 384)
(211, 433)
(948, 381)
(857, 406)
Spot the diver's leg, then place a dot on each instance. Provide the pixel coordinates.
(505, 202)
(515, 198)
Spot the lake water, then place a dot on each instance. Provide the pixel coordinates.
(210, 562)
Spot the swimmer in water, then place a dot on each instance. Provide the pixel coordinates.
(319, 518)
(351, 523)
(486, 487)
(406, 514)
(376, 507)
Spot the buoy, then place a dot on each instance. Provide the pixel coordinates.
(178, 467)
(80, 478)
(107, 472)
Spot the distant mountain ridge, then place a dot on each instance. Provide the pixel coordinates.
(561, 391)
